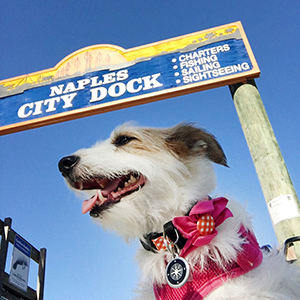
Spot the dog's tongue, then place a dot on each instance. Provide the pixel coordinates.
(88, 205)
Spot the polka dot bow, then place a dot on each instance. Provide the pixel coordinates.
(199, 227)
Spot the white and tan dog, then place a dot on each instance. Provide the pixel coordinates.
(140, 179)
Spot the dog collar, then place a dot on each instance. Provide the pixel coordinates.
(154, 241)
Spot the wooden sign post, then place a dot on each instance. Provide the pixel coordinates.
(276, 184)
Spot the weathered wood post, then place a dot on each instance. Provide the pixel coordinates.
(277, 187)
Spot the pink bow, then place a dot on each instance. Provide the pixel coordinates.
(187, 225)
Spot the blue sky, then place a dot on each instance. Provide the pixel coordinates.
(83, 261)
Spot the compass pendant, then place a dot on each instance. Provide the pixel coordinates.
(177, 272)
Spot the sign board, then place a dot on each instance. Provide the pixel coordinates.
(103, 78)
(19, 269)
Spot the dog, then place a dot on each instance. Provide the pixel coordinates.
(154, 184)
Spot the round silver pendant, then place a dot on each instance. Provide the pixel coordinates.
(177, 272)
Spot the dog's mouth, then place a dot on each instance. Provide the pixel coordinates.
(109, 190)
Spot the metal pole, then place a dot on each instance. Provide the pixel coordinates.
(277, 187)
(41, 275)
(3, 248)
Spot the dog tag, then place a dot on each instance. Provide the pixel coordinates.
(177, 272)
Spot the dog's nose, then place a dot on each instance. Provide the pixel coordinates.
(67, 163)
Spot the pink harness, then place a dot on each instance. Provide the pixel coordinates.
(204, 281)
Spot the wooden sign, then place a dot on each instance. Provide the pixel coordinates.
(103, 78)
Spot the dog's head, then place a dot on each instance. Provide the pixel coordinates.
(142, 177)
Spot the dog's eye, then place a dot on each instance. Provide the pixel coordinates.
(123, 140)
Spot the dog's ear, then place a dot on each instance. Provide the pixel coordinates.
(185, 139)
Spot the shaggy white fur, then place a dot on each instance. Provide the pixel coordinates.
(169, 170)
